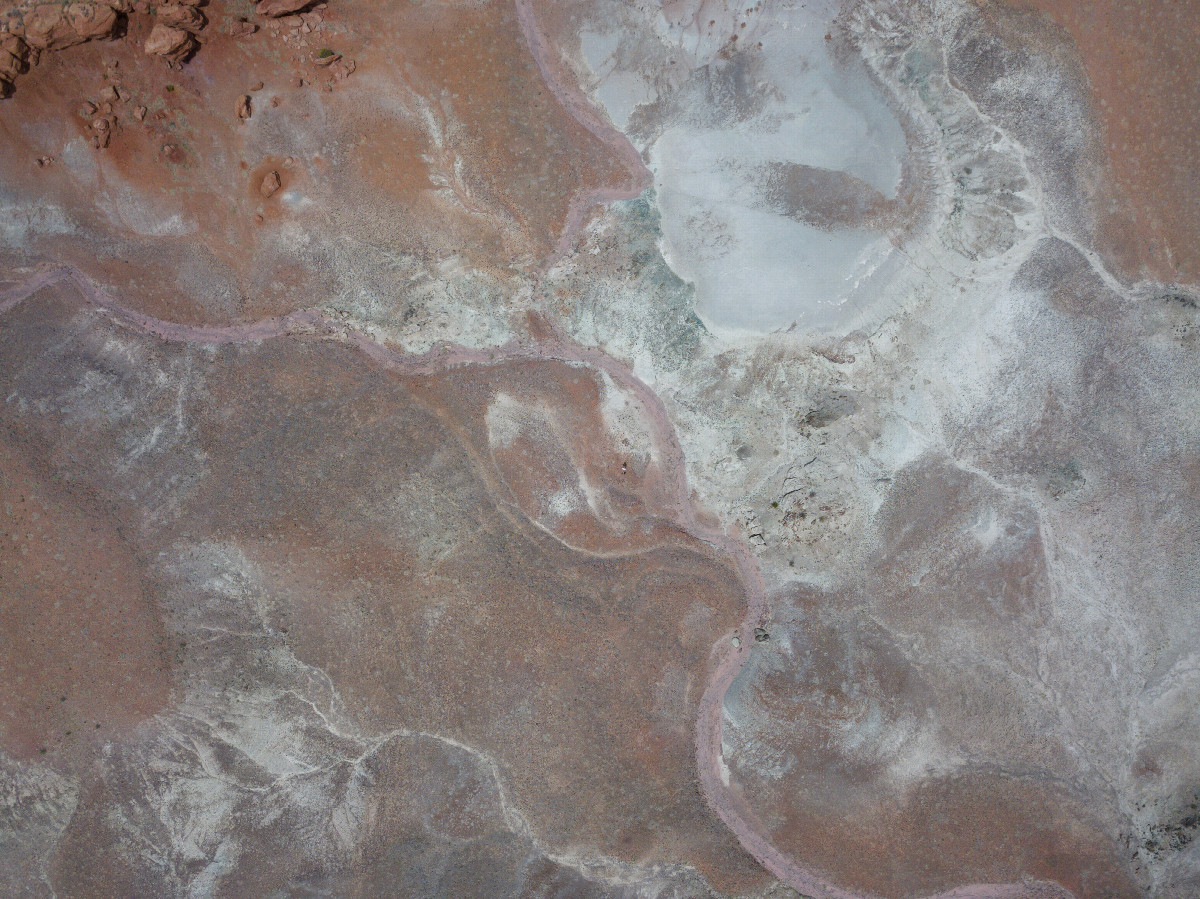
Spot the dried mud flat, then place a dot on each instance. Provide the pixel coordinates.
(598, 449)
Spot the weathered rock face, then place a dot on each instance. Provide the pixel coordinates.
(269, 185)
(274, 9)
(52, 26)
(176, 15)
(14, 60)
(173, 44)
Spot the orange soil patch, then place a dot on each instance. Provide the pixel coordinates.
(1145, 76)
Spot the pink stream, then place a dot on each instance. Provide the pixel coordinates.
(724, 799)
(568, 94)
(721, 796)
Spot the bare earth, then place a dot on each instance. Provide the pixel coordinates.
(599, 449)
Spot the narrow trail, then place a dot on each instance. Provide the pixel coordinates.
(724, 799)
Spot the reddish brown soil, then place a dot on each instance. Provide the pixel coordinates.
(84, 652)
(399, 556)
(444, 141)
(1144, 72)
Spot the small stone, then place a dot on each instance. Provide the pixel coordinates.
(258, 218)
(760, 635)
(270, 184)
(258, 87)
(139, 112)
(243, 107)
(736, 641)
(103, 129)
(242, 28)
(275, 101)
(110, 94)
(87, 109)
(44, 161)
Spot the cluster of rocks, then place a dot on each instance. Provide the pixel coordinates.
(173, 36)
(33, 26)
(102, 114)
(301, 32)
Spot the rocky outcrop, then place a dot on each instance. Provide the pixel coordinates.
(14, 60)
(51, 26)
(273, 9)
(181, 16)
(172, 44)
(36, 25)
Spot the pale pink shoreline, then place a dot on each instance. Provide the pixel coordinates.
(580, 108)
(724, 799)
